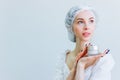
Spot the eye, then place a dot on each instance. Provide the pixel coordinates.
(91, 21)
(80, 22)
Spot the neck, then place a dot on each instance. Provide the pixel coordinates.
(80, 46)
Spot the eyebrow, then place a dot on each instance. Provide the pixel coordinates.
(92, 18)
(80, 19)
(83, 19)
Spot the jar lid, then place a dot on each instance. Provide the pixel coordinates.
(92, 47)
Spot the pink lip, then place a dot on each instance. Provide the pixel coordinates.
(86, 34)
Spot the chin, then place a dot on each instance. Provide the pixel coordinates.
(86, 39)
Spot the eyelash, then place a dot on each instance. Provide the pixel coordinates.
(80, 22)
(92, 21)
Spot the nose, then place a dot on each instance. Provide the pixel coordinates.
(86, 27)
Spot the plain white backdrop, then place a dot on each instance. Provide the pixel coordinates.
(32, 34)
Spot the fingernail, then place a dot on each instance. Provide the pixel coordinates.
(89, 44)
(107, 51)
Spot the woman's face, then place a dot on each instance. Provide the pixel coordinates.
(84, 25)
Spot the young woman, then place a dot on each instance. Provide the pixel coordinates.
(76, 65)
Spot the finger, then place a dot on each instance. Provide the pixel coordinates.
(78, 57)
(74, 64)
(96, 60)
(97, 56)
(105, 52)
(85, 51)
(86, 55)
(82, 54)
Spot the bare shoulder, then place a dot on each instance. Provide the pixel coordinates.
(69, 60)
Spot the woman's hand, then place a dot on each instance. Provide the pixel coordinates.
(84, 63)
(72, 74)
(81, 54)
(90, 60)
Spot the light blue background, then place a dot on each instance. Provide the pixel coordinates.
(32, 34)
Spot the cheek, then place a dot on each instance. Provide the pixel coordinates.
(77, 31)
(92, 30)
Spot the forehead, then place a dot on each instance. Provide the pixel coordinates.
(85, 14)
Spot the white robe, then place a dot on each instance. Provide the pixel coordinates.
(100, 71)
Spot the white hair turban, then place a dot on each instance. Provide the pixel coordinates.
(70, 19)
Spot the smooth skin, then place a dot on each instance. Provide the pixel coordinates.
(77, 60)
